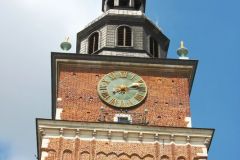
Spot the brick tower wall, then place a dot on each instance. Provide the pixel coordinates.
(101, 150)
(167, 101)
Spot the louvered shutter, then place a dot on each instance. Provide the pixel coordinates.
(128, 35)
(120, 36)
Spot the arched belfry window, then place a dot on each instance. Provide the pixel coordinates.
(93, 43)
(124, 36)
(154, 47)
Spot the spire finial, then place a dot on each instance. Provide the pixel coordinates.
(67, 39)
(182, 51)
(182, 44)
(66, 45)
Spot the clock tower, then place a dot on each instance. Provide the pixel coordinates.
(119, 97)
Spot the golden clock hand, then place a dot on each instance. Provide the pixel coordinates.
(116, 90)
(134, 85)
(122, 89)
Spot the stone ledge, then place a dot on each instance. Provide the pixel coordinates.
(124, 132)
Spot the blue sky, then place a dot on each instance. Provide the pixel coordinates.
(211, 32)
(4, 150)
(31, 29)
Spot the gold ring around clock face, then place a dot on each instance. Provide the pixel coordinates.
(122, 89)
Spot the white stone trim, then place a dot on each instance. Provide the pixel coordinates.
(204, 152)
(58, 113)
(96, 63)
(86, 126)
(124, 12)
(189, 121)
(45, 143)
(126, 54)
(184, 58)
(44, 155)
(59, 99)
(123, 133)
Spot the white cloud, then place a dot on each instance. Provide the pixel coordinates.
(30, 30)
(69, 16)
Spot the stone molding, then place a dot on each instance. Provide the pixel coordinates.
(124, 133)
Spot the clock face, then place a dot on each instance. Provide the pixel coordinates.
(122, 89)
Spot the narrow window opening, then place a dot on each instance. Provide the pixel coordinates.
(124, 3)
(110, 4)
(128, 36)
(123, 118)
(121, 36)
(154, 48)
(137, 4)
(93, 43)
(124, 35)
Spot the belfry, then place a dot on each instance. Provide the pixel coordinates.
(119, 97)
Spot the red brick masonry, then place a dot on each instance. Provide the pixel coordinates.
(61, 149)
(167, 101)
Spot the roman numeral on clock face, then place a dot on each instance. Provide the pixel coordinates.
(122, 104)
(103, 88)
(139, 97)
(132, 76)
(112, 75)
(113, 101)
(142, 89)
(125, 103)
(129, 103)
(123, 74)
(105, 95)
(105, 81)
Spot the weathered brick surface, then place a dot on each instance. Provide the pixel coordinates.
(100, 150)
(167, 101)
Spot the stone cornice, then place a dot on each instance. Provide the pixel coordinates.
(184, 67)
(124, 133)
